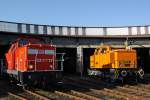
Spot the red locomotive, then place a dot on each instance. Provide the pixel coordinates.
(32, 61)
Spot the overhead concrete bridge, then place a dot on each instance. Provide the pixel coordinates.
(27, 28)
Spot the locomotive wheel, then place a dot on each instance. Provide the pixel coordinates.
(24, 86)
(12, 81)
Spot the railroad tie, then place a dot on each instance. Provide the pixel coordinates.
(110, 94)
(68, 95)
(139, 88)
(128, 89)
(16, 96)
(37, 95)
(145, 86)
(89, 97)
(124, 95)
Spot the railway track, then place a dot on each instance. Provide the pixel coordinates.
(69, 96)
(98, 93)
(27, 95)
(85, 88)
(16, 96)
(126, 92)
(95, 89)
(68, 93)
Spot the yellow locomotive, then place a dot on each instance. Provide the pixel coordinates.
(115, 63)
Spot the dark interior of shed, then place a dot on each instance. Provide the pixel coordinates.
(143, 59)
(87, 52)
(69, 59)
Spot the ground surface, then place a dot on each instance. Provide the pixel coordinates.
(84, 88)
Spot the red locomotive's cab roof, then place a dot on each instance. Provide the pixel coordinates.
(32, 42)
(40, 46)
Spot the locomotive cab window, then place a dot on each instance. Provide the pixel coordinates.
(32, 51)
(103, 50)
(36, 51)
(23, 42)
(49, 52)
(96, 51)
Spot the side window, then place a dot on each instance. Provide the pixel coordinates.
(103, 50)
(49, 52)
(96, 51)
(23, 42)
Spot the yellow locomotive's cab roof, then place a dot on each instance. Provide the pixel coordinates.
(117, 49)
(125, 50)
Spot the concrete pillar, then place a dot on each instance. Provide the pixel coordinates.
(79, 67)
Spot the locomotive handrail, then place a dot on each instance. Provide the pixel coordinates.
(62, 59)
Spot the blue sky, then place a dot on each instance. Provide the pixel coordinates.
(77, 12)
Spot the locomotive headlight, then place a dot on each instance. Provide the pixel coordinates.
(30, 66)
(51, 66)
(124, 73)
(121, 64)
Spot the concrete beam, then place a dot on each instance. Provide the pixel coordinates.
(79, 68)
(87, 46)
